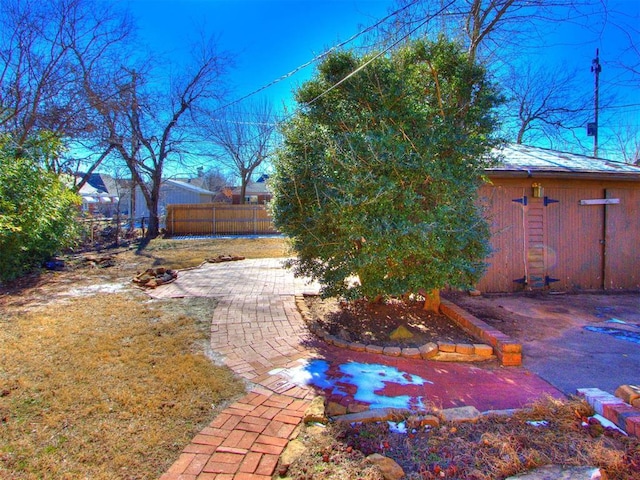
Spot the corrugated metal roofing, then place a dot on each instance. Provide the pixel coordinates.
(523, 158)
(188, 186)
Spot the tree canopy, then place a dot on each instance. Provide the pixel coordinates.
(378, 173)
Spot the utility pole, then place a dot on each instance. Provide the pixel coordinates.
(596, 69)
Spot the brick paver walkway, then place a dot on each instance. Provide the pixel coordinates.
(257, 329)
(261, 335)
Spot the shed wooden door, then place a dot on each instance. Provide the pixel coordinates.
(622, 252)
(575, 239)
(507, 220)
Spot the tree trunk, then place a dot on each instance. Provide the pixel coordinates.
(432, 300)
(154, 219)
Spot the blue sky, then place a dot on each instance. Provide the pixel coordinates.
(269, 38)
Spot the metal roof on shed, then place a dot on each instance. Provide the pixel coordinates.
(530, 160)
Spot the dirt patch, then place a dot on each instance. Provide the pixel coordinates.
(375, 323)
(548, 315)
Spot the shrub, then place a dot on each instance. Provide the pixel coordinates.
(37, 211)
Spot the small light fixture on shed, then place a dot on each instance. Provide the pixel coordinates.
(538, 190)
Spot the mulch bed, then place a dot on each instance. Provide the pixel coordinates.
(374, 323)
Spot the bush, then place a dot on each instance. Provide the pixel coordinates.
(37, 211)
(379, 171)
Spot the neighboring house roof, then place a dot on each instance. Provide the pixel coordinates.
(254, 188)
(188, 186)
(103, 182)
(91, 194)
(534, 161)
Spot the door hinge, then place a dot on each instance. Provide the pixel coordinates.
(548, 200)
(548, 280)
(522, 280)
(522, 200)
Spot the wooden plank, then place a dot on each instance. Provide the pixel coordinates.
(601, 201)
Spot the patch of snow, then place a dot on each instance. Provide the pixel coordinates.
(93, 289)
(369, 380)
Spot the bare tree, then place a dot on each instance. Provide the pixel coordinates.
(544, 103)
(627, 142)
(43, 45)
(488, 28)
(245, 136)
(149, 127)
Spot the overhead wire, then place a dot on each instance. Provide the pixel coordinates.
(316, 58)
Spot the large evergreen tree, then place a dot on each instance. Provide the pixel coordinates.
(378, 174)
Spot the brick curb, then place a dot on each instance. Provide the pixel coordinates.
(499, 345)
(508, 351)
(614, 408)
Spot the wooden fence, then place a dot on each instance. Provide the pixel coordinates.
(218, 219)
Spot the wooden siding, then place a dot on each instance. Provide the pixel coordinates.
(559, 243)
(574, 238)
(218, 219)
(622, 249)
(507, 263)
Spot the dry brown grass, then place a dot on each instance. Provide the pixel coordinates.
(189, 253)
(109, 385)
(493, 448)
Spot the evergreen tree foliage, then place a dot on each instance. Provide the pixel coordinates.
(38, 213)
(378, 174)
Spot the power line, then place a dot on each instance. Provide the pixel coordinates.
(316, 58)
(382, 52)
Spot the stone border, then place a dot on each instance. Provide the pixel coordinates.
(508, 351)
(442, 351)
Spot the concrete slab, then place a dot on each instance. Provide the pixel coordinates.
(567, 339)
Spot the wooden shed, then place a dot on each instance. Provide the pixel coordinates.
(562, 222)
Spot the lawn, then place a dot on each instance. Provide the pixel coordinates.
(98, 380)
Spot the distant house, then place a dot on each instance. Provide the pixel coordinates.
(561, 221)
(171, 192)
(255, 193)
(104, 195)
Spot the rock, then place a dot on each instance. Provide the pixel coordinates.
(389, 468)
(334, 409)
(417, 421)
(428, 350)
(410, 352)
(556, 472)
(374, 349)
(294, 450)
(461, 414)
(401, 333)
(357, 408)
(343, 334)
(374, 415)
(627, 393)
(315, 412)
(392, 351)
(446, 347)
